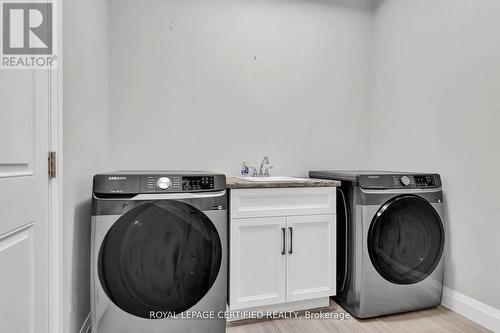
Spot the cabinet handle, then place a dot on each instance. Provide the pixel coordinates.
(291, 240)
(283, 251)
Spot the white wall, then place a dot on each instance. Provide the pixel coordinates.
(410, 85)
(199, 84)
(85, 142)
(436, 108)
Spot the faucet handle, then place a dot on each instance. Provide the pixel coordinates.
(266, 173)
(254, 173)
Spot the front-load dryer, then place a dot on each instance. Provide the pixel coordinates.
(390, 241)
(159, 252)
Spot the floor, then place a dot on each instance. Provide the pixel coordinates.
(437, 319)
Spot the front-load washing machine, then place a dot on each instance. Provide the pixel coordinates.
(159, 252)
(390, 241)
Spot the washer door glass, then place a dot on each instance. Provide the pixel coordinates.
(406, 239)
(159, 256)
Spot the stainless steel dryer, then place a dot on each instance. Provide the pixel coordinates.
(390, 241)
(159, 252)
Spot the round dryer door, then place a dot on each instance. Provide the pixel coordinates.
(406, 239)
(159, 256)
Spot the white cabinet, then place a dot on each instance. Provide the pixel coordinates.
(257, 262)
(282, 246)
(310, 263)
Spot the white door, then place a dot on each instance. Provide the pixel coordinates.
(257, 262)
(24, 239)
(310, 257)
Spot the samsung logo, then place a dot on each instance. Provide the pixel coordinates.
(117, 178)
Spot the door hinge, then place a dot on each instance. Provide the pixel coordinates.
(52, 165)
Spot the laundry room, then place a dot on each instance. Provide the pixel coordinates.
(249, 166)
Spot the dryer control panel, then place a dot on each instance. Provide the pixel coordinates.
(121, 184)
(399, 181)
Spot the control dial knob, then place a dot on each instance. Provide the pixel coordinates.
(163, 183)
(405, 180)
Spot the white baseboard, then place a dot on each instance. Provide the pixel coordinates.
(86, 325)
(472, 309)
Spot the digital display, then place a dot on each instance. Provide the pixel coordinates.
(197, 183)
(424, 181)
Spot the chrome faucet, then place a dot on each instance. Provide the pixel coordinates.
(264, 172)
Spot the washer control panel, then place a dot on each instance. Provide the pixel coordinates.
(123, 184)
(398, 181)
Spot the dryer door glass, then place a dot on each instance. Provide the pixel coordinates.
(406, 240)
(160, 256)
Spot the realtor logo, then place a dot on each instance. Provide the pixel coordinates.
(27, 34)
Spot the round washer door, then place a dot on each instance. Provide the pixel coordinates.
(159, 256)
(406, 239)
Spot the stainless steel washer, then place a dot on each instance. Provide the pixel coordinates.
(390, 241)
(159, 252)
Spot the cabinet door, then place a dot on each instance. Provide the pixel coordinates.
(257, 262)
(310, 257)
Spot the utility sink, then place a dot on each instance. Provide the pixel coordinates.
(273, 179)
